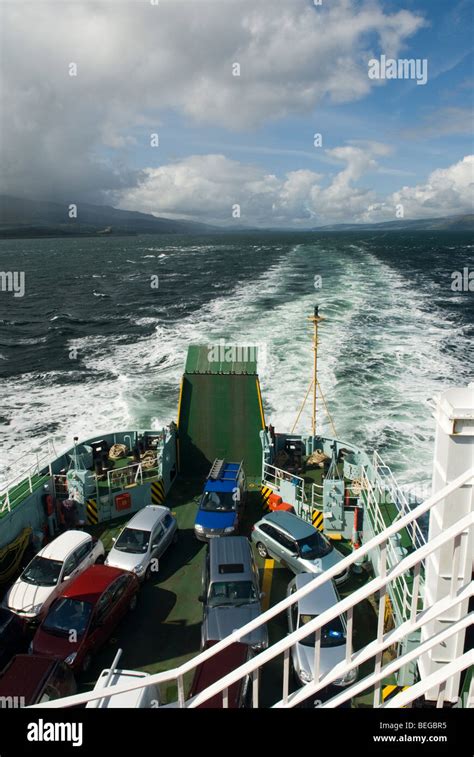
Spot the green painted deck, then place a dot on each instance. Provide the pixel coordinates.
(165, 629)
(220, 414)
(389, 512)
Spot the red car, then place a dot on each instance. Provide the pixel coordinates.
(28, 680)
(217, 667)
(84, 615)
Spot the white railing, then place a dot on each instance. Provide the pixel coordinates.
(118, 478)
(378, 585)
(275, 478)
(317, 496)
(400, 592)
(386, 484)
(25, 473)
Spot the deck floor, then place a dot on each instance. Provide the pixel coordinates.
(165, 629)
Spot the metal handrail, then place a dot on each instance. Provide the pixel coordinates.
(377, 585)
(400, 591)
(394, 666)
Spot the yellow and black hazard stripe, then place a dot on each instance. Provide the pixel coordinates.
(92, 512)
(265, 492)
(391, 690)
(157, 492)
(318, 520)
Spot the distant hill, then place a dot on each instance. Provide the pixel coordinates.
(448, 223)
(34, 218)
(37, 218)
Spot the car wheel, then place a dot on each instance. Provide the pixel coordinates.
(175, 537)
(100, 560)
(262, 550)
(133, 603)
(86, 663)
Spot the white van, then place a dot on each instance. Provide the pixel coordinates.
(138, 698)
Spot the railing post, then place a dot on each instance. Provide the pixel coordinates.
(451, 564)
(181, 691)
(286, 675)
(380, 619)
(255, 686)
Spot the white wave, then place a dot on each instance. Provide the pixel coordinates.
(382, 354)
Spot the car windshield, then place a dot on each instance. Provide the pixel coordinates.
(132, 540)
(332, 634)
(42, 572)
(232, 593)
(68, 615)
(314, 546)
(217, 502)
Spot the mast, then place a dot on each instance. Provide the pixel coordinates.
(316, 320)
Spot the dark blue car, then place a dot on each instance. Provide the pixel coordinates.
(222, 501)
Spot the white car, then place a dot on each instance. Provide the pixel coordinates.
(143, 540)
(61, 560)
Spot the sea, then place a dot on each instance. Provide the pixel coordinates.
(98, 340)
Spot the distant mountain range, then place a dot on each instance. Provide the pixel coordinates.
(447, 223)
(34, 218)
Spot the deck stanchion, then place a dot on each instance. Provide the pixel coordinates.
(255, 681)
(349, 632)
(181, 691)
(286, 674)
(415, 592)
(317, 653)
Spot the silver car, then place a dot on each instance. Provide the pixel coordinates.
(333, 634)
(297, 544)
(230, 592)
(143, 540)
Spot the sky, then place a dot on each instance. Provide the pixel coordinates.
(208, 109)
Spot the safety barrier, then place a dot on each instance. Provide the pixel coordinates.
(378, 586)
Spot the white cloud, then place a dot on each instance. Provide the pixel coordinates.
(206, 187)
(135, 61)
(448, 191)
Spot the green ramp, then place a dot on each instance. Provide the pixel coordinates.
(220, 411)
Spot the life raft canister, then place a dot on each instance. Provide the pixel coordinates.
(275, 502)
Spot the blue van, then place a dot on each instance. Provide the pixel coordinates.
(222, 501)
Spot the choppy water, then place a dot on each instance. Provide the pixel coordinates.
(92, 346)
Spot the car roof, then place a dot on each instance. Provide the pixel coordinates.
(25, 675)
(119, 677)
(228, 477)
(212, 670)
(230, 550)
(147, 517)
(292, 524)
(90, 584)
(220, 486)
(316, 601)
(63, 545)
